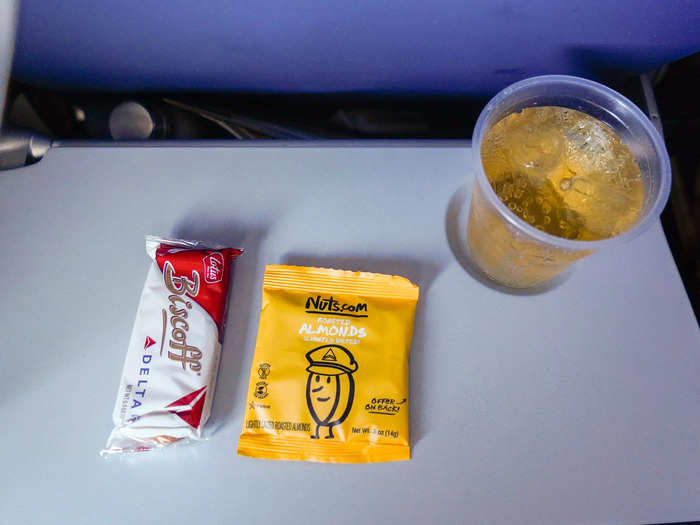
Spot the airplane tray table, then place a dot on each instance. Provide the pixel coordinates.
(578, 403)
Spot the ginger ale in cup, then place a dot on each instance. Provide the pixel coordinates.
(563, 167)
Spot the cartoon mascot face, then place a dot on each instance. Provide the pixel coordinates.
(330, 388)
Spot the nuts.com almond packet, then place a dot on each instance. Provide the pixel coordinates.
(329, 379)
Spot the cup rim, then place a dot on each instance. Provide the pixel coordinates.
(547, 238)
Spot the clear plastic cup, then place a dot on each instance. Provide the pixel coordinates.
(511, 251)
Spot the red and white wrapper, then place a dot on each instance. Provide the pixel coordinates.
(167, 385)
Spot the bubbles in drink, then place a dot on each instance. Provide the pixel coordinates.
(564, 172)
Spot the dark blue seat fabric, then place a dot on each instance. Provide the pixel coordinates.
(311, 46)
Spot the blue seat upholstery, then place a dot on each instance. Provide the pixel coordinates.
(311, 46)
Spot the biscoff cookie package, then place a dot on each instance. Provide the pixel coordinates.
(167, 386)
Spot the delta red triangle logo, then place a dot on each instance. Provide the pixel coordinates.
(149, 342)
(189, 408)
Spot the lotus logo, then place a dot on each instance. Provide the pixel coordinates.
(213, 267)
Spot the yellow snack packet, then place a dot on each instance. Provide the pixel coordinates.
(329, 379)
